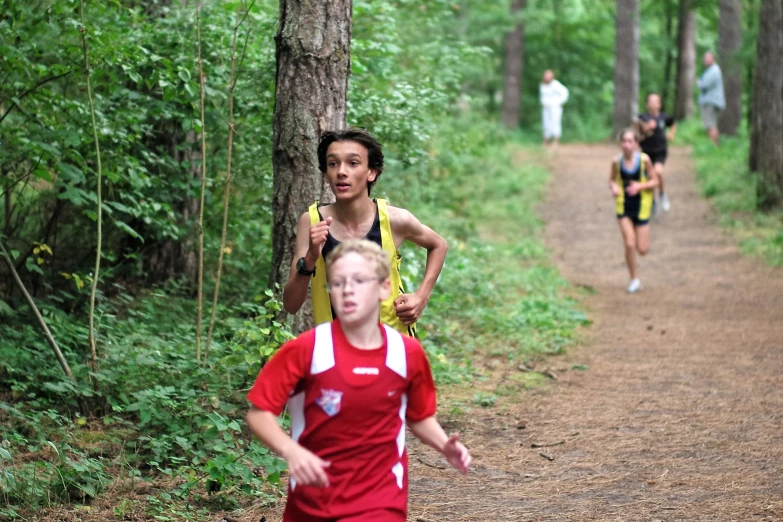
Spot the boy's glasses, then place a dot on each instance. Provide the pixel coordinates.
(340, 284)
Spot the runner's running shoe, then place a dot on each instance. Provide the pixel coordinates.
(634, 286)
(666, 205)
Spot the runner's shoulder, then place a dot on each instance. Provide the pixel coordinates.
(414, 352)
(401, 218)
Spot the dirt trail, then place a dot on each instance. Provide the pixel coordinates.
(680, 415)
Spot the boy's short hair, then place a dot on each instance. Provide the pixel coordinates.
(652, 93)
(360, 136)
(372, 252)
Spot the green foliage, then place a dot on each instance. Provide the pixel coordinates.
(156, 413)
(146, 95)
(484, 400)
(725, 179)
(259, 337)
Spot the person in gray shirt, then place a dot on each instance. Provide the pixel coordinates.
(711, 97)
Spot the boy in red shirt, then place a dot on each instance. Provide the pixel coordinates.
(351, 386)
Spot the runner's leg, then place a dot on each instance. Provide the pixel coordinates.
(642, 239)
(629, 242)
(659, 170)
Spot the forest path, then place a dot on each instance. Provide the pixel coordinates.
(680, 414)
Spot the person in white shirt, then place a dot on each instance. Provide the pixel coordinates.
(553, 95)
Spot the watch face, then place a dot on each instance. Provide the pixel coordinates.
(302, 269)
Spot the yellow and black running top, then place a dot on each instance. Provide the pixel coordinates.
(639, 207)
(381, 234)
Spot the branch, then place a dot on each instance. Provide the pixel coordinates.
(93, 351)
(200, 304)
(227, 185)
(31, 303)
(28, 91)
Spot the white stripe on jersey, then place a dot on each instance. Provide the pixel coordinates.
(398, 471)
(323, 352)
(296, 411)
(395, 352)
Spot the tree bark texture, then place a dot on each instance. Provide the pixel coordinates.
(514, 63)
(686, 60)
(667, 67)
(766, 140)
(313, 66)
(729, 43)
(626, 66)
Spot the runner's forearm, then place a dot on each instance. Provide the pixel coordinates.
(436, 257)
(295, 291)
(264, 426)
(430, 432)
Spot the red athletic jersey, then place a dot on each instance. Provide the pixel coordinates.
(348, 406)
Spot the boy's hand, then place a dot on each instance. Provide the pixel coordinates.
(409, 307)
(634, 188)
(457, 454)
(306, 468)
(615, 190)
(318, 233)
(669, 136)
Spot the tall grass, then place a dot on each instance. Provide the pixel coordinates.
(725, 179)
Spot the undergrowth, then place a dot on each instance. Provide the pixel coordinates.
(725, 179)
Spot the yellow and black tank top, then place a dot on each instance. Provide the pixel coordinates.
(381, 234)
(639, 206)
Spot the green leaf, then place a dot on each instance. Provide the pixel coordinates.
(71, 173)
(123, 226)
(32, 267)
(184, 75)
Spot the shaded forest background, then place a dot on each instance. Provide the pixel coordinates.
(427, 78)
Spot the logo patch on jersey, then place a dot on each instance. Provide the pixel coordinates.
(330, 401)
(366, 371)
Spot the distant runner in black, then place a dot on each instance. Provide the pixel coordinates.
(653, 126)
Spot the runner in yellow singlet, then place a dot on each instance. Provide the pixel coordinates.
(351, 161)
(632, 179)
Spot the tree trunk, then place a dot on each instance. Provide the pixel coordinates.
(626, 66)
(514, 62)
(729, 43)
(667, 68)
(313, 65)
(766, 140)
(686, 61)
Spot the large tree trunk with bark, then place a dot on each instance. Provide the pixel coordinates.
(670, 11)
(686, 60)
(626, 65)
(313, 65)
(514, 62)
(729, 43)
(766, 139)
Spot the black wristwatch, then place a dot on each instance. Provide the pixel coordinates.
(301, 268)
